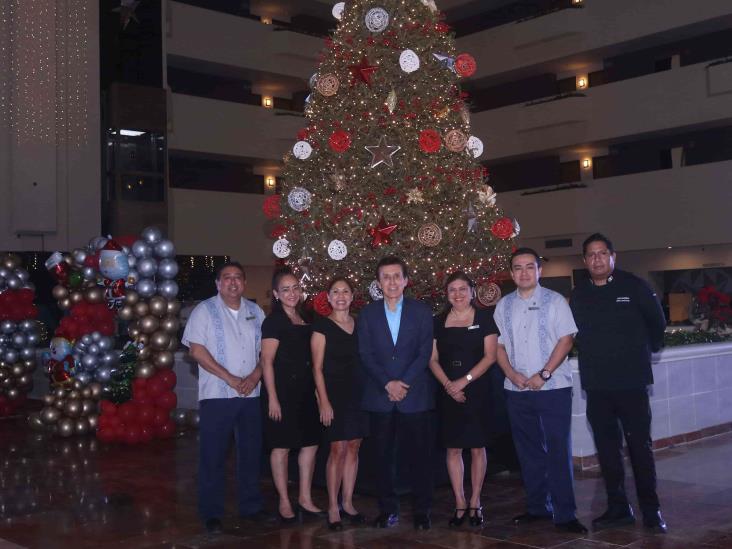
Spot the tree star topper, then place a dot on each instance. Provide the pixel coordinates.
(381, 234)
(362, 72)
(382, 153)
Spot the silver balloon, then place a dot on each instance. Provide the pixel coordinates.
(146, 287)
(14, 282)
(109, 359)
(179, 415)
(28, 325)
(27, 354)
(89, 362)
(11, 356)
(96, 336)
(7, 326)
(86, 339)
(97, 243)
(193, 418)
(79, 256)
(168, 289)
(4, 272)
(152, 235)
(19, 340)
(88, 273)
(105, 344)
(131, 260)
(93, 349)
(141, 249)
(165, 249)
(168, 268)
(83, 377)
(147, 267)
(103, 374)
(33, 339)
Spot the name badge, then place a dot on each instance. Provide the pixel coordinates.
(250, 317)
(534, 308)
(622, 300)
(474, 327)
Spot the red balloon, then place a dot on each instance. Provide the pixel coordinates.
(155, 387)
(114, 422)
(166, 430)
(168, 378)
(128, 413)
(108, 407)
(105, 434)
(147, 433)
(166, 401)
(132, 434)
(145, 414)
(140, 395)
(139, 383)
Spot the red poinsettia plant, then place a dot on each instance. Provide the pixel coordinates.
(716, 306)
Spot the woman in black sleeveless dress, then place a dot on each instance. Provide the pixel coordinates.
(336, 369)
(289, 401)
(464, 348)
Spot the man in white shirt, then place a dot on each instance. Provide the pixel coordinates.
(536, 334)
(224, 335)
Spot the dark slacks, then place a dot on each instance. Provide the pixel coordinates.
(612, 415)
(220, 418)
(541, 422)
(414, 434)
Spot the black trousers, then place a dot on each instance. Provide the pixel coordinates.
(414, 434)
(612, 415)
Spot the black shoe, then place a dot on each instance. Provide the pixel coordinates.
(614, 517)
(335, 526)
(386, 520)
(287, 520)
(476, 519)
(213, 526)
(528, 518)
(358, 518)
(655, 522)
(457, 520)
(304, 513)
(422, 521)
(260, 517)
(572, 526)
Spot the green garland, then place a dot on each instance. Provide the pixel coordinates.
(119, 390)
(681, 337)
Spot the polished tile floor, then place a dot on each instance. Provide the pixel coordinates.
(77, 493)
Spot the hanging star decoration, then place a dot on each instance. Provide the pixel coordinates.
(126, 11)
(487, 197)
(362, 72)
(415, 196)
(446, 61)
(304, 263)
(472, 218)
(381, 234)
(337, 180)
(382, 153)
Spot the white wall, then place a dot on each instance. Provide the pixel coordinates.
(49, 124)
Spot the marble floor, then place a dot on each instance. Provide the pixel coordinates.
(78, 493)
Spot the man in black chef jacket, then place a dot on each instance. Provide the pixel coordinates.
(620, 323)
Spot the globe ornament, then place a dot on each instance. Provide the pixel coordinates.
(327, 84)
(475, 146)
(409, 61)
(281, 248)
(429, 235)
(465, 65)
(337, 250)
(377, 19)
(338, 10)
(375, 291)
(299, 199)
(455, 141)
(302, 150)
(488, 294)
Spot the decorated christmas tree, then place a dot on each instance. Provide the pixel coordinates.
(387, 163)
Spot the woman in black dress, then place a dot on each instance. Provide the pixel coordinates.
(464, 348)
(336, 372)
(290, 405)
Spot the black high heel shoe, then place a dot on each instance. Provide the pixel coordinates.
(456, 520)
(477, 518)
(335, 526)
(304, 513)
(287, 520)
(358, 518)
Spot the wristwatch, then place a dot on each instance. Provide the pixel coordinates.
(469, 378)
(546, 375)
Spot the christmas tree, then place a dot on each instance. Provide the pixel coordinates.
(387, 164)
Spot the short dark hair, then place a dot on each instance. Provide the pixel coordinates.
(339, 278)
(391, 260)
(526, 251)
(459, 275)
(234, 264)
(597, 237)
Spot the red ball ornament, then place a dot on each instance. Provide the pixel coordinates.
(340, 141)
(465, 65)
(271, 207)
(429, 141)
(502, 228)
(321, 305)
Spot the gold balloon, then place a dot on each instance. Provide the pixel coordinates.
(72, 408)
(73, 395)
(158, 306)
(48, 400)
(144, 370)
(133, 330)
(145, 353)
(96, 390)
(126, 312)
(50, 415)
(88, 407)
(81, 426)
(17, 370)
(141, 309)
(143, 339)
(149, 324)
(170, 324)
(160, 340)
(12, 393)
(59, 393)
(163, 359)
(66, 427)
(64, 304)
(94, 295)
(59, 404)
(173, 307)
(86, 392)
(131, 297)
(173, 345)
(76, 297)
(11, 261)
(93, 420)
(23, 381)
(59, 292)
(77, 385)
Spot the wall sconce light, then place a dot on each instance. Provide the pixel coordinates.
(266, 20)
(577, 2)
(582, 83)
(586, 163)
(267, 101)
(270, 182)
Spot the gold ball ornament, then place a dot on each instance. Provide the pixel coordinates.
(59, 404)
(86, 393)
(173, 307)
(66, 427)
(145, 353)
(170, 324)
(144, 370)
(59, 393)
(160, 340)
(76, 297)
(429, 235)
(456, 141)
(74, 394)
(163, 359)
(81, 426)
(158, 306)
(149, 324)
(59, 292)
(48, 400)
(126, 313)
(72, 408)
(328, 85)
(488, 294)
(50, 415)
(141, 309)
(88, 407)
(94, 295)
(131, 297)
(64, 304)
(11, 261)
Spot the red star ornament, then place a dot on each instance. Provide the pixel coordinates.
(381, 234)
(362, 72)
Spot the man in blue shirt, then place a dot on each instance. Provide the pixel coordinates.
(395, 344)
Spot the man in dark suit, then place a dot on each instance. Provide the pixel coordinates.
(395, 344)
